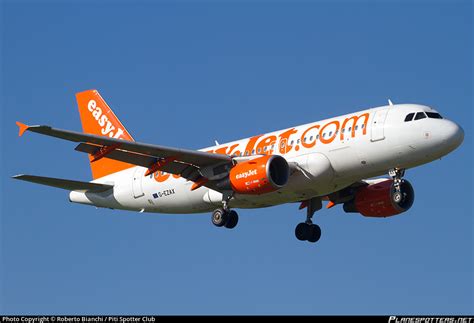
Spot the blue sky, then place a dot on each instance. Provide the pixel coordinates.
(185, 73)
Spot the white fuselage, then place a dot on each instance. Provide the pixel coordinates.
(329, 155)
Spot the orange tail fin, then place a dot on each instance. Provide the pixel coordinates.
(98, 119)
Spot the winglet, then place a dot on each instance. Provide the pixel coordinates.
(22, 128)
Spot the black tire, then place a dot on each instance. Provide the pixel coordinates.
(302, 231)
(314, 233)
(232, 220)
(219, 217)
(397, 197)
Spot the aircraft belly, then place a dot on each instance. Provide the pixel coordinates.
(173, 196)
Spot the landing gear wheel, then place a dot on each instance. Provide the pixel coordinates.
(308, 232)
(232, 219)
(219, 217)
(397, 197)
(314, 233)
(302, 231)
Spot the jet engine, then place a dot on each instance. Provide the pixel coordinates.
(381, 199)
(260, 175)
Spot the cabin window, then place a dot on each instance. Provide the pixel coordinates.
(317, 136)
(298, 141)
(330, 133)
(246, 153)
(434, 115)
(259, 150)
(310, 138)
(409, 117)
(292, 142)
(420, 115)
(253, 152)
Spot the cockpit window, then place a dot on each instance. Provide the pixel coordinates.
(409, 117)
(434, 115)
(420, 115)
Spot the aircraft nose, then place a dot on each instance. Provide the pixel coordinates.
(454, 134)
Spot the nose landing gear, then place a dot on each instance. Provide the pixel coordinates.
(397, 175)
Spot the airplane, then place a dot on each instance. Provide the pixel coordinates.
(338, 160)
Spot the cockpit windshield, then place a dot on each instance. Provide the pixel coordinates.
(422, 115)
(434, 115)
(409, 117)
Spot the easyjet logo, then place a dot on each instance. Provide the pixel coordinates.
(246, 174)
(107, 128)
(293, 139)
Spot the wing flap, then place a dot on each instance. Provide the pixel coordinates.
(184, 170)
(66, 184)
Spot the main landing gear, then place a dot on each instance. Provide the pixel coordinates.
(307, 231)
(225, 217)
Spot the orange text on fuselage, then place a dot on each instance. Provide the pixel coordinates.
(290, 139)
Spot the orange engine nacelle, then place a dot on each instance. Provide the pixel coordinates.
(381, 200)
(260, 175)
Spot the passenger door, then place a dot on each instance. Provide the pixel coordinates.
(377, 127)
(137, 187)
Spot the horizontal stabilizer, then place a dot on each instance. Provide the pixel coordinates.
(65, 183)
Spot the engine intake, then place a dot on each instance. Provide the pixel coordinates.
(260, 175)
(381, 200)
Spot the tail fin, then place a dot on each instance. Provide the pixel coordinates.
(98, 119)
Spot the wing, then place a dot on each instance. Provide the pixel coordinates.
(194, 157)
(65, 183)
(183, 162)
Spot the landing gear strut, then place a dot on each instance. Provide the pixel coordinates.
(397, 175)
(225, 217)
(307, 231)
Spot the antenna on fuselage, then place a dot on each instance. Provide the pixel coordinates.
(390, 102)
(217, 144)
